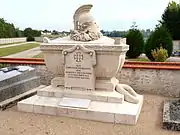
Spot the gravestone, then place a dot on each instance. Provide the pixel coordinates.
(171, 115)
(79, 71)
(17, 80)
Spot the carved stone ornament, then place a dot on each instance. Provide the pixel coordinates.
(78, 56)
(85, 28)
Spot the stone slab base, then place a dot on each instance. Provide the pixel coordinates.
(59, 92)
(171, 115)
(124, 113)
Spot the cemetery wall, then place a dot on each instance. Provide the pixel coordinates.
(12, 40)
(153, 81)
(143, 77)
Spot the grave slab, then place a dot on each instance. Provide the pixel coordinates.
(171, 115)
(17, 80)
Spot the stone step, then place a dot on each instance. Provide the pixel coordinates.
(18, 88)
(124, 113)
(11, 101)
(59, 92)
(7, 78)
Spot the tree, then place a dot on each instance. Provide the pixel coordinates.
(103, 32)
(31, 32)
(134, 25)
(19, 33)
(171, 19)
(136, 42)
(28, 32)
(159, 38)
(54, 32)
(7, 30)
(36, 33)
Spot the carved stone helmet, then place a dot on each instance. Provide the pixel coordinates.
(82, 15)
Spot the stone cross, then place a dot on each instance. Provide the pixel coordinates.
(78, 57)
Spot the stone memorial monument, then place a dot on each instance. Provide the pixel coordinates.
(85, 65)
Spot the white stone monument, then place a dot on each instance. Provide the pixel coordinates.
(85, 86)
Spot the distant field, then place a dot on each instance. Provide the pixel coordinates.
(16, 49)
(39, 56)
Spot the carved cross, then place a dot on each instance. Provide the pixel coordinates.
(78, 57)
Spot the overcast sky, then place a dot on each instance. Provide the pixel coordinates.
(57, 14)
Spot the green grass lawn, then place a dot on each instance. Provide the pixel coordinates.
(16, 49)
(38, 56)
(12, 43)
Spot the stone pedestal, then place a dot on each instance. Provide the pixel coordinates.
(100, 106)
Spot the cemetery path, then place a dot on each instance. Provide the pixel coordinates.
(4, 46)
(173, 59)
(13, 122)
(25, 54)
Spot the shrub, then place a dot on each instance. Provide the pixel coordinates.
(160, 37)
(30, 38)
(135, 41)
(159, 55)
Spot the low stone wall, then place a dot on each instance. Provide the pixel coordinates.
(12, 40)
(159, 81)
(154, 81)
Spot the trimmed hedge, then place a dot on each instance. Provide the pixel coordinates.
(160, 37)
(135, 41)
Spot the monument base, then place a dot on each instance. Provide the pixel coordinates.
(100, 85)
(101, 106)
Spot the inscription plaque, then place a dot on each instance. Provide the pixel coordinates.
(79, 72)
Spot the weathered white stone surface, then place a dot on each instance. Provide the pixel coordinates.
(79, 71)
(125, 113)
(75, 102)
(104, 52)
(85, 27)
(104, 96)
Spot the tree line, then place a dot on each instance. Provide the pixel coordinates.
(8, 30)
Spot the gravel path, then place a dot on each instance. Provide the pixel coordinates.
(25, 54)
(174, 59)
(4, 46)
(13, 122)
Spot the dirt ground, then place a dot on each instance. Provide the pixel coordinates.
(13, 122)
